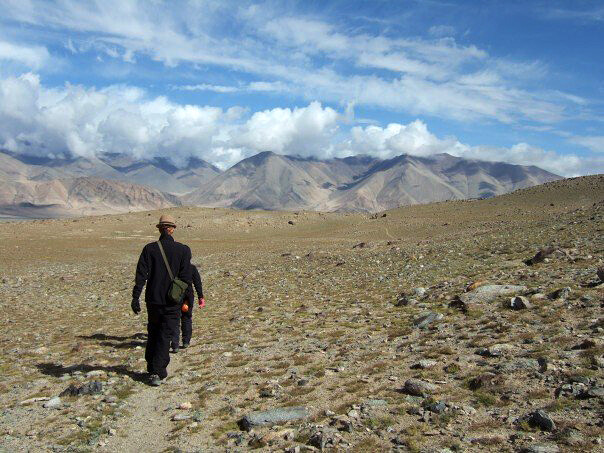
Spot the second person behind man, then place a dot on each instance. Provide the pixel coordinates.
(186, 317)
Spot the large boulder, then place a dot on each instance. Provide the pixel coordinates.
(489, 293)
(273, 417)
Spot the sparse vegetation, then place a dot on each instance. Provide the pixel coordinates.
(299, 310)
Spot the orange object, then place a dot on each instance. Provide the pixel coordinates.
(185, 308)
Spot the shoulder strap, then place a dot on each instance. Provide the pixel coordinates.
(163, 254)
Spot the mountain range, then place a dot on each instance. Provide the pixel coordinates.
(43, 187)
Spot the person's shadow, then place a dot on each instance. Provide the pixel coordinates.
(114, 341)
(118, 342)
(57, 370)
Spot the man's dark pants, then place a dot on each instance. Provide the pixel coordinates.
(161, 324)
(186, 323)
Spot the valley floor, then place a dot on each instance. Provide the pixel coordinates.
(331, 312)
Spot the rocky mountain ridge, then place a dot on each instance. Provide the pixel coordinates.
(44, 187)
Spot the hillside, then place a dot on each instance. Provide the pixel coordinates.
(77, 197)
(385, 330)
(274, 182)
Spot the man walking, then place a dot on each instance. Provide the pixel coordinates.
(163, 314)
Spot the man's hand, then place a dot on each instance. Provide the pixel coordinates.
(202, 302)
(136, 306)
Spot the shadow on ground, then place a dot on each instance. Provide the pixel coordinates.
(118, 342)
(102, 336)
(57, 370)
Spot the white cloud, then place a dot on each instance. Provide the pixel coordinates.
(305, 131)
(592, 142)
(33, 57)
(75, 120)
(415, 139)
(441, 30)
(208, 87)
(311, 58)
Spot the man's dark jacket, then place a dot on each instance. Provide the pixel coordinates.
(152, 270)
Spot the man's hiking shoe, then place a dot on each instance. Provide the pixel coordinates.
(185, 345)
(174, 350)
(154, 380)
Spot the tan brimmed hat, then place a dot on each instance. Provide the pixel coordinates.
(166, 220)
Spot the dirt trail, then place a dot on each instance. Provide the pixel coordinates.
(149, 425)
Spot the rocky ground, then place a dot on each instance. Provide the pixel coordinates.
(432, 328)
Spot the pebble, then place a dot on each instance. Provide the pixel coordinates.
(519, 303)
(52, 403)
(417, 387)
(541, 420)
(426, 319)
(185, 406)
(424, 364)
(550, 448)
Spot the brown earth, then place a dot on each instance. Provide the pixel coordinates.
(320, 313)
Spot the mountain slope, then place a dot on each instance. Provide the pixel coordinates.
(271, 181)
(78, 196)
(161, 173)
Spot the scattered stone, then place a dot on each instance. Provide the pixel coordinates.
(520, 364)
(185, 406)
(488, 293)
(268, 392)
(424, 364)
(419, 292)
(417, 387)
(541, 420)
(472, 286)
(426, 319)
(110, 399)
(594, 392)
(360, 245)
(91, 388)
(485, 380)
(460, 305)
(180, 417)
(540, 256)
(585, 344)
(545, 448)
(53, 403)
(561, 293)
(519, 303)
(342, 423)
(290, 222)
(273, 417)
(487, 352)
(324, 438)
(437, 407)
(96, 373)
(402, 300)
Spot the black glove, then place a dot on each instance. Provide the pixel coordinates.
(136, 306)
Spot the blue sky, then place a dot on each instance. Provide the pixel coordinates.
(517, 81)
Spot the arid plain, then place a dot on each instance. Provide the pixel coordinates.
(379, 326)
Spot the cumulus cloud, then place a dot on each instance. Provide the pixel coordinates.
(415, 139)
(304, 131)
(80, 121)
